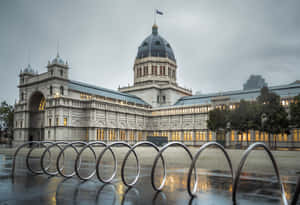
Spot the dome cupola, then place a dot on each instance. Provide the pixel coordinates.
(155, 46)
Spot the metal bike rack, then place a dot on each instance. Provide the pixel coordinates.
(115, 162)
(159, 155)
(78, 159)
(242, 162)
(138, 174)
(45, 170)
(192, 192)
(72, 145)
(63, 146)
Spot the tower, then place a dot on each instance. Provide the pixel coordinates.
(155, 72)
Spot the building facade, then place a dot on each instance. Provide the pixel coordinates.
(51, 106)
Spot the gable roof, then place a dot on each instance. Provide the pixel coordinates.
(100, 91)
(289, 90)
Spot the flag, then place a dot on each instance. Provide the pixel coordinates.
(159, 12)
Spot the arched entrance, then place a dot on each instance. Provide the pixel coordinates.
(37, 104)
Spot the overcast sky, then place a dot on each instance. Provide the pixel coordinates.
(217, 44)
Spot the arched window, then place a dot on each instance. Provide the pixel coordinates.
(51, 90)
(61, 90)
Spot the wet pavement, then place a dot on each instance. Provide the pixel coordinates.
(214, 188)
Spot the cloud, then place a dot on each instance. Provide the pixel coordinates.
(217, 44)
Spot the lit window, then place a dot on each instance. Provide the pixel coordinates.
(232, 135)
(65, 121)
(57, 121)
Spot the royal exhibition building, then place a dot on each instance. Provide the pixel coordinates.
(53, 107)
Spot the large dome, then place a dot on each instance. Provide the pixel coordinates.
(155, 46)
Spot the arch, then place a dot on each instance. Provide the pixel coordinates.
(242, 162)
(36, 105)
(202, 148)
(139, 168)
(159, 154)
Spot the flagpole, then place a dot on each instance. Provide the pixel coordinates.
(154, 16)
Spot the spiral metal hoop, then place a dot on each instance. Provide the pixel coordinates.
(139, 168)
(78, 159)
(72, 144)
(45, 170)
(242, 162)
(159, 155)
(43, 144)
(192, 192)
(79, 147)
(115, 162)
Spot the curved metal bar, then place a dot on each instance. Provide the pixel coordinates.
(139, 168)
(202, 148)
(77, 167)
(18, 150)
(159, 156)
(57, 144)
(61, 154)
(296, 194)
(102, 188)
(242, 162)
(28, 155)
(155, 197)
(129, 189)
(115, 162)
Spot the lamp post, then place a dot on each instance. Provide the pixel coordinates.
(263, 120)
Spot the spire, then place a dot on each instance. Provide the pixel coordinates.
(154, 29)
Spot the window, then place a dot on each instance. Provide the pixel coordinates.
(173, 74)
(22, 96)
(51, 72)
(164, 99)
(131, 135)
(51, 90)
(157, 99)
(49, 122)
(157, 43)
(21, 124)
(111, 135)
(57, 121)
(145, 70)
(161, 70)
(65, 121)
(100, 134)
(22, 79)
(122, 135)
(61, 90)
(140, 136)
(61, 73)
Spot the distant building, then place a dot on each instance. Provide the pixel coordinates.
(51, 106)
(255, 82)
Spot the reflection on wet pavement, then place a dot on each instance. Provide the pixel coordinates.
(213, 188)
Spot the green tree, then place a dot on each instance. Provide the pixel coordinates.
(245, 117)
(7, 116)
(295, 112)
(217, 122)
(276, 118)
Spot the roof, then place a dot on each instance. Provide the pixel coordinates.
(290, 90)
(155, 46)
(95, 90)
